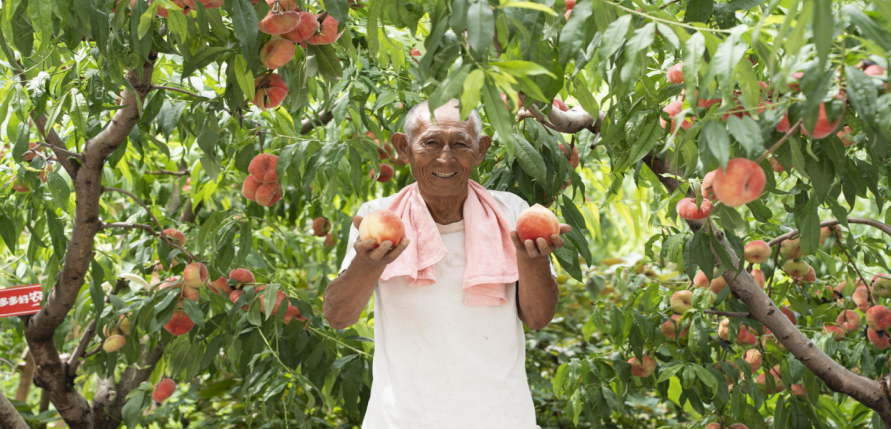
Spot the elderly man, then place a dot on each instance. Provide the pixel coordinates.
(450, 297)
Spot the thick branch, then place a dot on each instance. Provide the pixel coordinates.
(569, 122)
(308, 124)
(9, 416)
(172, 173)
(108, 403)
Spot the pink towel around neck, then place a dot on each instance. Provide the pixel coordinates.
(491, 256)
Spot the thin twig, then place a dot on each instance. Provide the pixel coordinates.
(146, 228)
(729, 313)
(158, 224)
(857, 220)
(73, 361)
(58, 150)
(182, 91)
(776, 259)
(668, 4)
(172, 173)
(780, 142)
(869, 297)
(93, 352)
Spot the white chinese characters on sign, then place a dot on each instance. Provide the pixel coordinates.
(32, 298)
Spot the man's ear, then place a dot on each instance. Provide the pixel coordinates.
(485, 143)
(400, 142)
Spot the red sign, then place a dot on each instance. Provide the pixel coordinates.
(16, 301)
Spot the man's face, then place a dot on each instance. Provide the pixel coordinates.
(442, 155)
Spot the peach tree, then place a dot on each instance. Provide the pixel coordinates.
(179, 177)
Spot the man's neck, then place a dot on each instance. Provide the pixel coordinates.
(445, 210)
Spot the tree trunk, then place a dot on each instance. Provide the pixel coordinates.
(27, 378)
(9, 416)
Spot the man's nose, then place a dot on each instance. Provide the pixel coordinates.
(446, 154)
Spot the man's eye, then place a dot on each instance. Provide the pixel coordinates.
(431, 143)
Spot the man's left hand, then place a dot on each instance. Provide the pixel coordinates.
(540, 247)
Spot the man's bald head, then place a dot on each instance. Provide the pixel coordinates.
(421, 114)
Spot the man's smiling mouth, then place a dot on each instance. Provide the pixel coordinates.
(445, 175)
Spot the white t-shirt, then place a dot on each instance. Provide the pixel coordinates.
(439, 364)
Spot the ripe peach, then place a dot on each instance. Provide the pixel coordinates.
(124, 324)
(262, 168)
(823, 127)
(268, 194)
(675, 73)
(707, 187)
(32, 148)
(848, 320)
(861, 298)
(504, 99)
(276, 53)
(874, 70)
(844, 135)
(185, 292)
(234, 295)
(559, 104)
(795, 267)
(687, 209)
(176, 235)
(43, 173)
(768, 340)
(241, 276)
(271, 90)
(415, 52)
(114, 343)
(778, 382)
(881, 285)
(208, 4)
(753, 357)
(791, 249)
(249, 188)
(878, 339)
(717, 285)
(809, 277)
(279, 297)
(327, 34)
(713, 425)
(837, 333)
(195, 275)
(220, 286)
(179, 324)
(305, 29)
(20, 186)
(776, 166)
(163, 390)
(320, 226)
(797, 390)
(386, 173)
(744, 337)
(758, 275)
(789, 314)
(537, 222)
(293, 313)
(826, 231)
(757, 252)
(643, 368)
(670, 330)
(700, 280)
(673, 109)
(279, 22)
(381, 226)
(784, 125)
(681, 301)
(285, 5)
(740, 183)
(878, 317)
(330, 241)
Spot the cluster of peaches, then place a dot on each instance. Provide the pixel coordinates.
(741, 182)
(19, 185)
(386, 152)
(291, 27)
(262, 184)
(822, 129)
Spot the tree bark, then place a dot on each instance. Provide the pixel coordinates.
(9, 416)
(52, 374)
(872, 393)
(27, 378)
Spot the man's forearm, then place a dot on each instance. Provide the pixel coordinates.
(348, 294)
(537, 293)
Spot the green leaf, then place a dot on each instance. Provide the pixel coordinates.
(9, 232)
(269, 298)
(531, 5)
(58, 189)
(470, 98)
(698, 10)
(639, 41)
(41, 15)
(586, 99)
(339, 10)
(244, 76)
(614, 36)
(560, 379)
(325, 58)
(145, 20)
(450, 87)
(480, 27)
(863, 94)
(824, 27)
(194, 312)
(203, 58)
(572, 36)
(870, 30)
(747, 132)
(244, 22)
(718, 141)
(521, 68)
(530, 160)
(576, 220)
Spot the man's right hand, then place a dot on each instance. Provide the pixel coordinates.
(379, 256)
